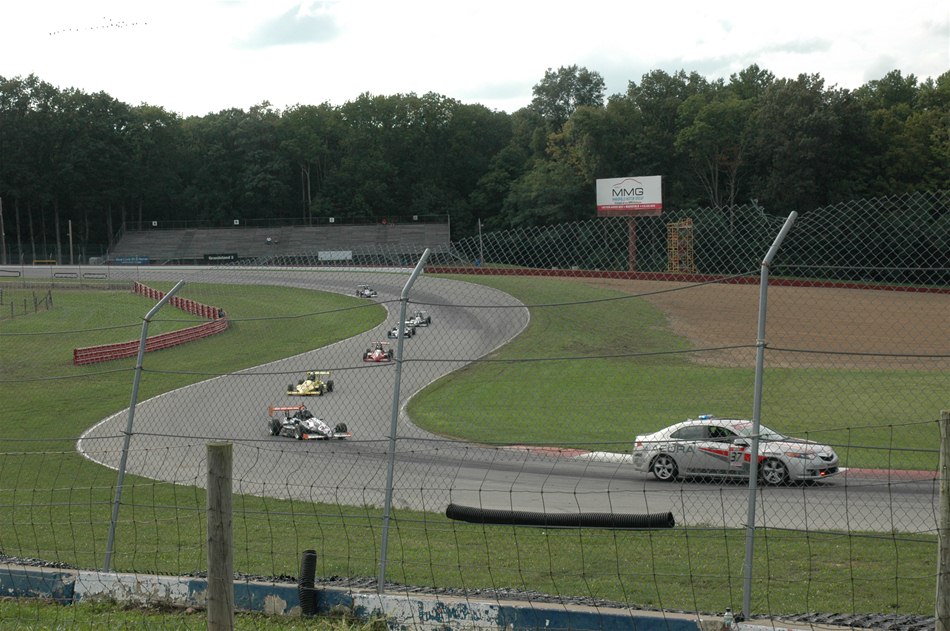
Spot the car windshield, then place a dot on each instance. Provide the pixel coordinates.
(765, 433)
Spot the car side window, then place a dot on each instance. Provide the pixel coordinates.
(690, 432)
(721, 433)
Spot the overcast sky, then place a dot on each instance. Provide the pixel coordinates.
(199, 56)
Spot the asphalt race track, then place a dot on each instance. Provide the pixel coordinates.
(171, 431)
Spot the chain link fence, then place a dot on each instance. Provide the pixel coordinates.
(545, 353)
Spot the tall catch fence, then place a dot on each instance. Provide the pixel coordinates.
(489, 455)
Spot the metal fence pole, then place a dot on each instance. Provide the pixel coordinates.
(107, 564)
(387, 506)
(757, 412)
(943, 528)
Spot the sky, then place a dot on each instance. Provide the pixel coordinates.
(195, 57)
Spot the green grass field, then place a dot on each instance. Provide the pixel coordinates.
(55, 505)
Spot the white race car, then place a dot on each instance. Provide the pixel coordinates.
(713, 447)
(405, 331)
(420, 318)
(365, 291)
(298, 422)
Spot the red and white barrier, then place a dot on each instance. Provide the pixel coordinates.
(108, 352)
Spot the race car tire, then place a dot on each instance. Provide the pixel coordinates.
(274, 427)
(298, 432)
(330, 386)
(340, 427)
(664, 468)
(389, 354)
(773, 472)
(290, 388)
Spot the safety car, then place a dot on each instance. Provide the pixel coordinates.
(721, 448)
(296, 421)
(317, 383)
(380, 352)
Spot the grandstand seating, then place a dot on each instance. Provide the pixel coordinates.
(194, 245)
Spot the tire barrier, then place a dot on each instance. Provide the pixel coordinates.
(108, 352)
(305, 589)
(647, 521)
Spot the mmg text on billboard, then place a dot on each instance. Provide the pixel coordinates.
(630, 196)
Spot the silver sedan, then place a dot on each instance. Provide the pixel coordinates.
(713, 447)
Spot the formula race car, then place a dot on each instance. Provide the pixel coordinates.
(298, 422)
(379, 353)
(420, 318)
(365, 291)
(405, 330)
(316, 384)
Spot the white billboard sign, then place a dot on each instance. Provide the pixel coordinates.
(630, 196)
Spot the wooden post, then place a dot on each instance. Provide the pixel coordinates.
(220, 549)
(943, 528)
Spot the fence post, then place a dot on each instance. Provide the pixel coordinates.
(113, 523)
(390, 466)
(943, 528)
(757, 411)
(220, 550)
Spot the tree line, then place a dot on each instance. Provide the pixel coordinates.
(95, 163)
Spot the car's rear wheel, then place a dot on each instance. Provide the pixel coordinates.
(298, 432)
(274, 427)
(773, 472)
(664, 468)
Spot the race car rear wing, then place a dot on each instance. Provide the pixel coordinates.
(285, 408)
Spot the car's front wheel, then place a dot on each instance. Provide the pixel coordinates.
(330, 386)
(773, 472)
(664, 468)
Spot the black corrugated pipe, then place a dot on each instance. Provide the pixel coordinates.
(305, 589)
(566, 520)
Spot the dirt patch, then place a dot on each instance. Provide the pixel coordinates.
(805, 326)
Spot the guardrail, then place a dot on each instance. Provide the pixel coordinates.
(108, 352)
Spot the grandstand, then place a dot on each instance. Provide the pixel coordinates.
(280, 244)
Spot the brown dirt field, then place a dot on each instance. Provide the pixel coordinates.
(875, 329)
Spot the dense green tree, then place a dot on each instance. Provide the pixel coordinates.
(658, 97)
(714, 144)
(905, 124)
(793, 145)
(560, 92)
(311, 137)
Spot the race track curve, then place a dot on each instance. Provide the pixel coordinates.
(171, 431)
